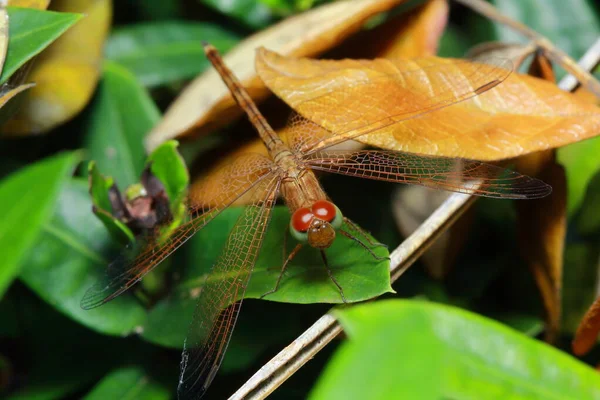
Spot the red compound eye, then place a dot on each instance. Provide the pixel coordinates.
(324, 210)
(301, 219)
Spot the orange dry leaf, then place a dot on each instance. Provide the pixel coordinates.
(206, 103)
(542, 227)
(523, 114)
(416, 33)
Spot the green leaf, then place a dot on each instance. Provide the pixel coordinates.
(27, 199)
(99, 191)
(168, 166)
(121, 115)
(69, 259)
(158, 53)
(581, 164)
(129, 383)
(572, 26)
(417, 350)
(250, 12)
(306, 280)
(30, 32)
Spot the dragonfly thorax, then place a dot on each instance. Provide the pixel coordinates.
(317, 224)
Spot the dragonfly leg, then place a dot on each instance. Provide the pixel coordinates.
(283, 268)
(357, 240)
(332, 277)
(362, 232)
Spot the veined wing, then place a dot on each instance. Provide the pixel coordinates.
(455, 175)
(221, 296)
(351, 98)
(218, 192)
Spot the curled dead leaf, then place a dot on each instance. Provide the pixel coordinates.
(67, 72)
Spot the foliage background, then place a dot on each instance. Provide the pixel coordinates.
(54, 248)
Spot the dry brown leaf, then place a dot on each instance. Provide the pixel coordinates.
(39, 4)
(417, 33)
(67, 72)
(588, 330)
(542, 223)
(206, 103)
(542, 227)
(424, 25)
(521, 115)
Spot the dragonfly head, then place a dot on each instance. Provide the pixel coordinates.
(316, 225)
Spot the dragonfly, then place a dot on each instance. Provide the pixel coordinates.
(289, 171)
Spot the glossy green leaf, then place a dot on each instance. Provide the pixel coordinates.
(581, 164)
(158, 53)
(572, 26)
(129, 383)
(417, 350)
(30, 32)
(168, 166)
(69, 258)
(99, 187)
(306, 281)
(252, 13)
(27, 198)
(122, 113)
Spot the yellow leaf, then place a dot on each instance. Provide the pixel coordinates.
(39, 4)
(523, 114)
(66, 72)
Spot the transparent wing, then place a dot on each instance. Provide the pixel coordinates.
(221, 296)
(217, 192)
(373, 100)
(455, 175)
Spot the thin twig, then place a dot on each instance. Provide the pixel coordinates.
(294, 356)
(552, 52)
